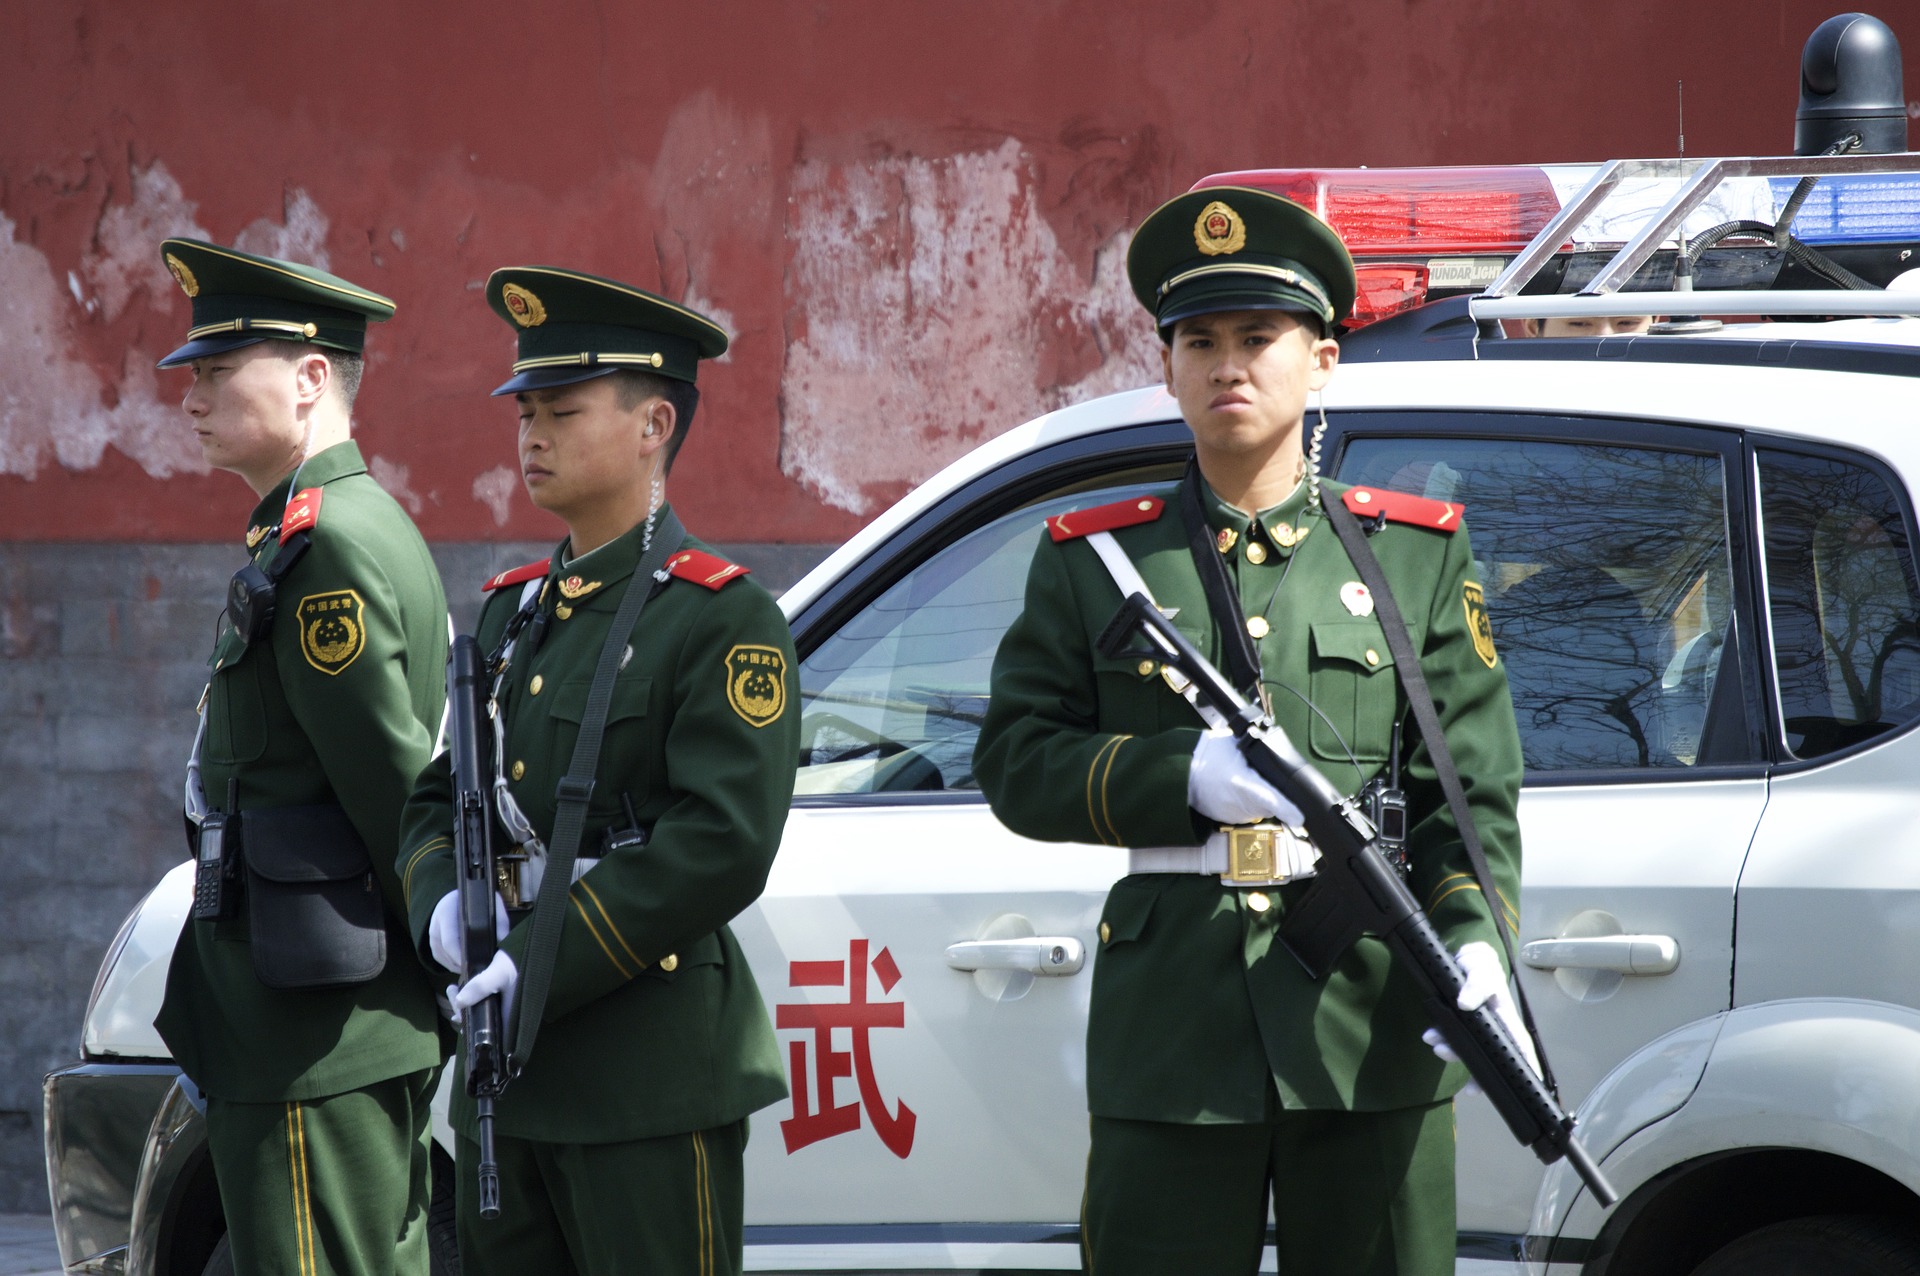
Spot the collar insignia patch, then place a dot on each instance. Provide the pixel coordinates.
(1224, 541)
(574, 587)
(757, 683)
(333, 629)
(183, 276)
(1219, 230)
(523, 306)
(255, 535)
(1479, 624)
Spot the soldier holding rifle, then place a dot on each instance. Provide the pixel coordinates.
(640, 759)
(1221, 1072)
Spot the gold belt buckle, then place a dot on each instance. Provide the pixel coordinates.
(1251, 857)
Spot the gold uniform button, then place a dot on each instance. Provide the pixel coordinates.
(1363, 498)
(1256, 553)
(533, 688)
(670, 963)
(1257, 626)
(1259, 902)
(1106, 932)
(1146, 668)
(563, 611)
(1373, 657)
(519, 769)
(1145, 506)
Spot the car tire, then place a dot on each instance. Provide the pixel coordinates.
(1830, 1245)
(220, 1262)
(443, 1236)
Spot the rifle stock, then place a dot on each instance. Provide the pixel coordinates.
(1372, 896)
(481, 1028)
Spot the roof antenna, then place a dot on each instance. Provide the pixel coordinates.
(1680, 93)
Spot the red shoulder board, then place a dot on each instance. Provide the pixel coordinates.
(303, 511)
(517, 576)
(1398, 507)
(703, 569)
(1104, 518)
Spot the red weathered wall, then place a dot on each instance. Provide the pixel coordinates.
(912, 215)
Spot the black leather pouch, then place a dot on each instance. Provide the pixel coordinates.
(313, 904)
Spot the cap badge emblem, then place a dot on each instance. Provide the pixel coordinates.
(523, 306)
(575, 587)
(1219, 230)
(183, 276)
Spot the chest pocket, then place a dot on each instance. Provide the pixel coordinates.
(236, 706)
(626, 751)
(1352, 683)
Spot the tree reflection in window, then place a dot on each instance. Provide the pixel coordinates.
(1608, 580)
(893, 700)
(1841, 587)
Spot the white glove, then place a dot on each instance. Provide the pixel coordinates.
(501, 976)
(1486, 985)
(1222, 786)
(446, 935)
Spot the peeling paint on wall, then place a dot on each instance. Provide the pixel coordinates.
(495, 490)
(396, 479)
(931, 306)
(56, 407)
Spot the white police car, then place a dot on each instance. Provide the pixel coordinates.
(1699, 551)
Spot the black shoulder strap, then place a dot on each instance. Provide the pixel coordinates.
(1406, 663)
(1223, 601)
(570, 810)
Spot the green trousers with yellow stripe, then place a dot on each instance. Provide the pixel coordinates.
(336, 1186)
(1352, 1194)
(671, 1205)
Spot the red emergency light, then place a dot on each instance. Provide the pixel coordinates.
(1397, 221)
(1396, 211)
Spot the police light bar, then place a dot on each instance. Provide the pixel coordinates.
(1415, 233)
(1876, 208)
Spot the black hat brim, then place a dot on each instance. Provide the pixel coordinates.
(202, 347)
(1226, 300)
(549, 378)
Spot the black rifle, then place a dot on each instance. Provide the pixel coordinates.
(1372, 894)
(473, 850)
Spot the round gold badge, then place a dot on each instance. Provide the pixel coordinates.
(523, 306)
(1219, 230)
(183, 276)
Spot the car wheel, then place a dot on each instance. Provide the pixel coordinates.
(1833, 1245)
(220, 1262)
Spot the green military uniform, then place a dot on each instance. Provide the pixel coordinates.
(620, 1142)
(1214, 1063)
(317, 1096)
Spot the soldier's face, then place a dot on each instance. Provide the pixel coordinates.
(244, 407)
(1242, 377)
(580, 448)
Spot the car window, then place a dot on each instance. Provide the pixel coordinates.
(1608, 578)
(1842, 599)
(892, 701)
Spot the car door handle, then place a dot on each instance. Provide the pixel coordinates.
(1035, 954)
(1622, 954)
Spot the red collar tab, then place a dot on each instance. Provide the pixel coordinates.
(1399, 507)
(303, 511)
(1104, 518)
(518, 575)
(703, 569)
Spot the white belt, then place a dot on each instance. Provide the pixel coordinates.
(1257, 855)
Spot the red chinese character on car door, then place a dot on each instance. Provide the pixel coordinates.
(816, 1116)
